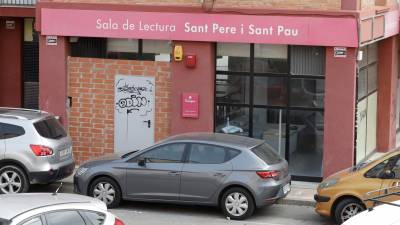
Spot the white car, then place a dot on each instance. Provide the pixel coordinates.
(54, 209)
(384, 214)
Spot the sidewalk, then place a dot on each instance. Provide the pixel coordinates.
(302, 193)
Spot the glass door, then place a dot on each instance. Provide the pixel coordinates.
(274, 93)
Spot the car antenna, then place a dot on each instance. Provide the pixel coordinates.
(56, 192)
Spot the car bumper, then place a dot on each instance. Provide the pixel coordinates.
(52, 175)
(80, 185)
(272, 192)
(323, 205)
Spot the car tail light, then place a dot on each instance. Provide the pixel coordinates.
(269, 174)
(118, 222)
(41, 150)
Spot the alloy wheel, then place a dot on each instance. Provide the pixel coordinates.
(10, 182)
(105, 192)
(236, 204)
(350, 210)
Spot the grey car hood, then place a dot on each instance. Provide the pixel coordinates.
(102, 160)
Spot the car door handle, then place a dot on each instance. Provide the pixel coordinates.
(174, 173)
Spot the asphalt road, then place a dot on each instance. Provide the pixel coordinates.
(133, 213)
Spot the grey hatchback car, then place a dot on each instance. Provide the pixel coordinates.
(233, 172)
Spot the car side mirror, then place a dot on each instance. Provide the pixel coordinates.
(142, 161)
(388, 174)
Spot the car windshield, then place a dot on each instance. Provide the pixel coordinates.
(128, 154)
(362, 164)
(266, 153)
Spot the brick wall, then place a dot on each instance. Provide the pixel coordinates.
(283, 4)
(91, 86)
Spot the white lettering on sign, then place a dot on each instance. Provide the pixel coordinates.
(196, 28)
(156, 27)
(283, 31)
(253, 30)
(216, 28)
(107, 25)
(205, 28)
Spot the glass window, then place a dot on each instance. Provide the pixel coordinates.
(231, 153)
(376, 170)
(233, 57)
(34, 221)
(157, 50)
(170, 153)
(270, 58)
(50, 128)
(10, 131)
(307, 60)
(88, 47)
(372, 77)
(270, 91)
(232, 120)
(64, 218)
(364, 60)
(362, 83)
(307, 93)
(122, 48)
(372, 53)
(232, 89)
(267, 154)
(307, 129)
(270, 125)
(207, 154)
(95, 218)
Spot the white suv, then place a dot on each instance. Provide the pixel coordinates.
(34, 148)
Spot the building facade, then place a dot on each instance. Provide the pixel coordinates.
(317, 80)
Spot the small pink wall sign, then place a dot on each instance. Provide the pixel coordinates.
(269, 29)
(190, 105)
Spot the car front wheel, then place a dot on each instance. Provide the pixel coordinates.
(347, 208)
(106, 190)
(237, 203)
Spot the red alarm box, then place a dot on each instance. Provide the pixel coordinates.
(190, 61)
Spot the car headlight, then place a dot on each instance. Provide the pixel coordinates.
(328, 183)
(81, 171)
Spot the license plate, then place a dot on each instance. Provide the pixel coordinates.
(65, 153)
(286, 189)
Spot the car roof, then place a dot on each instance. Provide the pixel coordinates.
(21, 113)
(228, 140)
(12, 205)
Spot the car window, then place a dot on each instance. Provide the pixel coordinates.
(210, 154)
(64, 218)
(50, 128)
(33, 221)
(10, 131)
(266, 153)
(95, 218)
(376, 170)
(171, 153)
(396, 168)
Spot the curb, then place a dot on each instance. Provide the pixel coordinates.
(296, 202)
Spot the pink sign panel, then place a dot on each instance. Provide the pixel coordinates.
(190, 105)
(296, 30)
